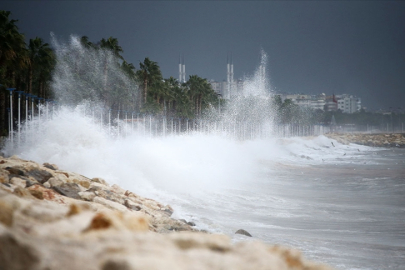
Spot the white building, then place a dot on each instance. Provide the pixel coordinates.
(316, 102)
(348, 103)
(345, 103)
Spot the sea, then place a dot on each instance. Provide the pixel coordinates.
(342, 205)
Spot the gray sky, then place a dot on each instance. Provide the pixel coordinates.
(313, 47)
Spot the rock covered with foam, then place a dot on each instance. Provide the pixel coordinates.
(54, 219)
(376, 140)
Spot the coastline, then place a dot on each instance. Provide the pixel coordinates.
(55, 219)
(370, 139)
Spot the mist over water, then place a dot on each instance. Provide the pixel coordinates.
(339, 204)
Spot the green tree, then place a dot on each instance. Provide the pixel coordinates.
(110, 45)
(200, 92)
(41, 63)
(12, 59)
(150, 76)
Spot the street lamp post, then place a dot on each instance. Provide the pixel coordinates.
(39, 109)
(11, 114)
(219, 103)
(32, 106)
(26, 106)
(19, 115)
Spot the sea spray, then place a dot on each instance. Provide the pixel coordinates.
(338, 203)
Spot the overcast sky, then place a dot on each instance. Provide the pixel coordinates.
(313, 47)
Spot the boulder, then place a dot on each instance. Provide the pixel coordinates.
(15, 170)
(4, 177)
(6, 214)
(133, 206)
(39, 175)
(86, 195)
(243, 232)
(99, 180)
(15, 254)
(18, 182)
(50, 166)
(69, 190)
(110, 204)
(55, 182)
(44, 193)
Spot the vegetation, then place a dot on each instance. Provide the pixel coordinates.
(34, 68)
(29, 67)
(26, 67)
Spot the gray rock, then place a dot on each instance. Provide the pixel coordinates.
(69, 190)
(14, 170)
(191, 223)
(28, 181)
(132, 205)
(168, 211)
(107, 194)
(242, 231)
(50, 166)
(40, 175)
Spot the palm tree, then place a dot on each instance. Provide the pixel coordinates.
(201, 93)
(12, 58)
(11, 40)
(129, 69)
(84, 40)
(41, 61)
(149, 75)
(111, 44)
(46, 65)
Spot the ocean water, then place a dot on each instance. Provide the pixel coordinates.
(343, 205)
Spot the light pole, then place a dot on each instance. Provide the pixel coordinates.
(26, 106)
(219, 103)
(47, 108)
(39, 109)
(32, 106)
(19, 115)
(11, 114)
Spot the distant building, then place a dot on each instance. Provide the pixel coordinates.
(316, 102)
(345, 103)
(331, 103)
(348, 103)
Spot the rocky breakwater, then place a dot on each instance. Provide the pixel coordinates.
(54, 219)
(377, 140)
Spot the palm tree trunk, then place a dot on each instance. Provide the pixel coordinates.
(41, 89)
(145, 90)
(30, 81)
(105, 80)
(200, 105)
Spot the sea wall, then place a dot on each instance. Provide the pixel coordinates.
(55, 219)
(377, 140)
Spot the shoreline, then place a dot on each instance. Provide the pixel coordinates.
(396, 140)
(55, 219)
